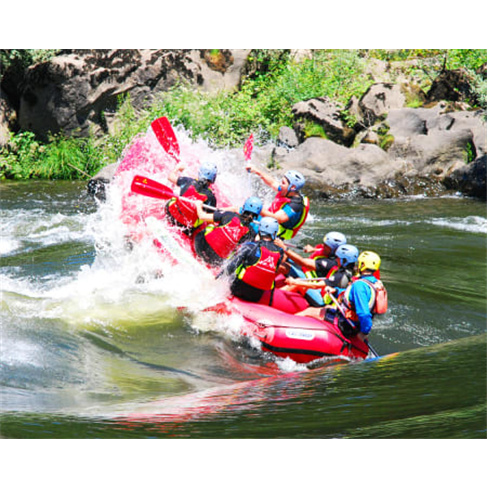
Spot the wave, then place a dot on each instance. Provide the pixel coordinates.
(473, 224)
(23, 230)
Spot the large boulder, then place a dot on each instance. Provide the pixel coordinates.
(327, 114)
(6, 116)
(73, 91)
(434, 154)
(470, 179)
(378, 100)
(327, 164)
(435, 141)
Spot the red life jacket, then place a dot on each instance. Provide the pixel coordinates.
(285, 231)
(224, 238)
(185, 213)
(262, 274)
(321, 251)
(312, 273)
(332, 272)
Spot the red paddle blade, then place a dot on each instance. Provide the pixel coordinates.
(248, 146)
(151, 188)
(166, 136)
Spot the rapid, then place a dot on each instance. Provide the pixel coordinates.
(99, 340)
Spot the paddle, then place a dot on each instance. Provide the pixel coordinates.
(151, 188)
(166, 136)
(294, 246)
(248, 147)
(339, 307)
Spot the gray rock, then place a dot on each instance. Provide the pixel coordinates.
(433, 153)
(378, 100)
(470, 179)
(328, 114)
(73, 91)
(328, 163)
(287, 137)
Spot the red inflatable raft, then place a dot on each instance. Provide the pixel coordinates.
(279, 331)
(302, 339)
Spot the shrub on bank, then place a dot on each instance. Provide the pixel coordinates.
(262, 105)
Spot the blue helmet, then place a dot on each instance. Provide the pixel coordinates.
(253, 205)
(348, 254)
(268, 226)
(207, 171)
(334, 239)
(296, 179)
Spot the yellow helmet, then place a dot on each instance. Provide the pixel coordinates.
(368, 260)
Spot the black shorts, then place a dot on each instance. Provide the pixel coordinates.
(246, 292)
(346, 328)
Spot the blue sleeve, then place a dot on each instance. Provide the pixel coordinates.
(292, 216)
(360, 295)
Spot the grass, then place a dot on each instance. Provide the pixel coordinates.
(262, 105)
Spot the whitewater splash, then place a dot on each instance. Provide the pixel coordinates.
(121, 285)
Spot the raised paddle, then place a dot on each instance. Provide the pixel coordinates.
(248, 147)
(151, 188)
(166, 136)
(339, 307)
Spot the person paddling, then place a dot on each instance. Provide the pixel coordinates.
(335, 282)
(364, 298)
(290, 208)
(183, 213)
(326, 249)
(215, 243)
(317, 267)
(255, 265)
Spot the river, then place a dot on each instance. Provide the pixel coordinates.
(89, 349)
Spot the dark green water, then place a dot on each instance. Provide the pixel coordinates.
(89, 351)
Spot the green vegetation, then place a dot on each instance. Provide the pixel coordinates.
(274, 83)
(24, 57)
(69, 157)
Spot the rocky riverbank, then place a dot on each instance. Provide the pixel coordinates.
(396, 139)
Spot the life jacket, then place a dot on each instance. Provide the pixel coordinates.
(262, 274)
(223, 239)
(286, 231)
(321, 251)
(312, 273)
(378, 301)
(183, 212)
(325, 296)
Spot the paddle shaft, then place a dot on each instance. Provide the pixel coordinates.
(152, 188)
(294, 246)
(208, 207)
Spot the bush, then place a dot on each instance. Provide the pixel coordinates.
(263, 104)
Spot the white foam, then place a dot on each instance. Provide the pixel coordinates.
(473, 224)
